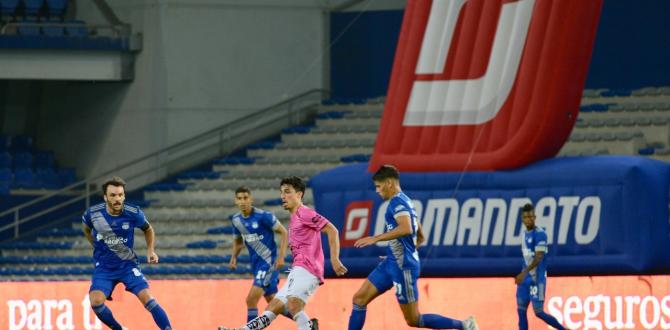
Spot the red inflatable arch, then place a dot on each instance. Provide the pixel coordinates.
(485, 84)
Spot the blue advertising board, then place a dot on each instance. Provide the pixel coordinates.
(602, 215)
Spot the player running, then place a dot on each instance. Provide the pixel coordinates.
(400, 268)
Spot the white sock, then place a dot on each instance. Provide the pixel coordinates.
(302, 320)
(261, 322)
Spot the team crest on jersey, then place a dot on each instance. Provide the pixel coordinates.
(125, 225)
(254, 225)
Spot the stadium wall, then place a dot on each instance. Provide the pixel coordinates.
(612, 302)
(203, 63)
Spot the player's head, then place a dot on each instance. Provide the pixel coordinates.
(387, 181)
(528, 216)
(114, 193)
(292, 189)
(243, 199)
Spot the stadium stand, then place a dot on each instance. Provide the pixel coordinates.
(24, 167)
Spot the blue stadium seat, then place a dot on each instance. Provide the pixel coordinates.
(44, 159)
(273, 202)
(53, 31)
(77, 28)
(5, 160)
(67, 176)
(8, 7)
(57, 8)
(47, 178)
(28, 28)
(220, 230)
(206, 244)
(23, 160)
(25, 178)
(33, 7)
(646, 151)
(4, 189)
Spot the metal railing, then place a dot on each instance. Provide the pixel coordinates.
(196, 150)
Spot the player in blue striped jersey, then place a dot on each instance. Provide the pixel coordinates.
(257, 228)
(532, 281)
(400, 268)
(109, 227)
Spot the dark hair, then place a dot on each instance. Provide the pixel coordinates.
(528, 208)
(386, 172)
(242, 189)
(113, 181)
(297, 183)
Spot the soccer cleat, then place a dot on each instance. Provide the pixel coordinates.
(470, 324)
(314, 324)
(224, 328)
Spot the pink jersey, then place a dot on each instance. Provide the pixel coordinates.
(304, 236)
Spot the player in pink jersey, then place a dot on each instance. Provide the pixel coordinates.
(306, 275)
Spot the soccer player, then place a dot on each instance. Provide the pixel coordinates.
(257, 228)
(305, 231)
(400, 268)
(532, 281)
(109, 227)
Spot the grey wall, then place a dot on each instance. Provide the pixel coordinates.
(203, 63)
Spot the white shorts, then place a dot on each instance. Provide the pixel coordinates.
(299, 284)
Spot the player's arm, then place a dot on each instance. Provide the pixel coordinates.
(403, 229)
(237, 248)
(334, 244)
(150, 237)
(539, 255)
(283, 244)
(87, 232)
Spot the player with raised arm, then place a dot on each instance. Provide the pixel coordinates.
(532, 281)
(400, 268)
(256, 228)
(306, 275)
(110, 228)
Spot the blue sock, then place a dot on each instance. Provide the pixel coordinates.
(252, 313)
(160, 317)
(523, 319)
(548, 319)
(357, 318)
(434, 321)
(105, 315)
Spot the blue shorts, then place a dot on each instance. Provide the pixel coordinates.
(266, 278)
(105, 280)
(530, 291)
(387, 274)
